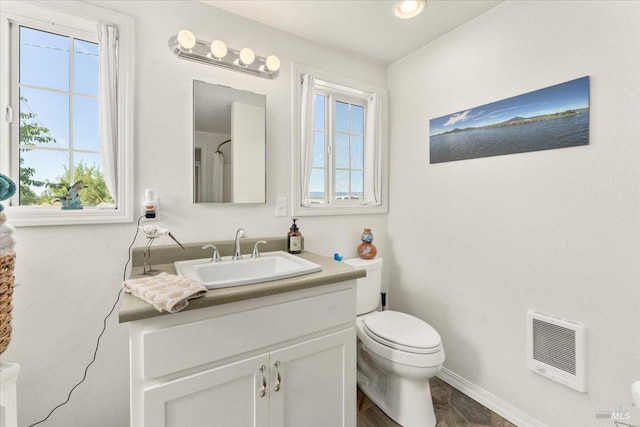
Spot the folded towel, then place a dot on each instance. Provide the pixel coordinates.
(167, 292)
(7, 238)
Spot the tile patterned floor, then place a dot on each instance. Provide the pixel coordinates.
(453, 409)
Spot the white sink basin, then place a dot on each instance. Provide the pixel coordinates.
(270, 266)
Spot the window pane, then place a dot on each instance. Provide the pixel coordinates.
(357, 119)
(88, 169)
(357, 185)
(41, 173)
(316, 186)
(86, 131)
(85, 67)
(341, 151)
(44, 118)
(342, 184)
(319, 122)
(342, 117)
(44, 59)
(318, 149)
(357, 153)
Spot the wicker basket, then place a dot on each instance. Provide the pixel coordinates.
(7, 262)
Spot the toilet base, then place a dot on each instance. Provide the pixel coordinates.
(407, 402)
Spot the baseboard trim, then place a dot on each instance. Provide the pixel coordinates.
(488, 400)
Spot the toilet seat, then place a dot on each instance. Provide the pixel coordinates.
(406, 358)
(402, 332)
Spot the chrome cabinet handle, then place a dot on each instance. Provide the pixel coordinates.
(278, 378)
(263, 389)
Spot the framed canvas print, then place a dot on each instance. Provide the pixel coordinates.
(545, 119)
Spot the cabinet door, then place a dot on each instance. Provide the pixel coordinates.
(227, 396)
(313, 383)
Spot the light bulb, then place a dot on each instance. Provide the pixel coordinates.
(409, 8)
(218, 49)
(186, 39)
(247, 56)
(272, 63)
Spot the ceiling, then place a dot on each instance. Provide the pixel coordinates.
(364, 27)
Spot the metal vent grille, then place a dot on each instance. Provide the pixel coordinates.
(555, 346)
(556, 349)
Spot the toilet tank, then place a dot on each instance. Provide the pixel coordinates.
(368, 288)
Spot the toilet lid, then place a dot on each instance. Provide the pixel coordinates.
(402, 331)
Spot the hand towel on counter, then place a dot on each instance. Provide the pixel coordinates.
(167, 292)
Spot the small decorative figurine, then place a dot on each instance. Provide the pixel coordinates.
(72, 199)
(7, 188)
(366, 249)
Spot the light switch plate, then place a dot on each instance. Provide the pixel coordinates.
(281, 206)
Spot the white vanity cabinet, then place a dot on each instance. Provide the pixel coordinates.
(285, 360)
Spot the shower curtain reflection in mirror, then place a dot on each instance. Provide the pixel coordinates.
(218, 177)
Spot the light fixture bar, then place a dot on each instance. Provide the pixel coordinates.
(201, 52)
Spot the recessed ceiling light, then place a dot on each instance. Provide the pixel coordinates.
(406, 9)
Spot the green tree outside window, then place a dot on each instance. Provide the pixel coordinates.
(33, 133)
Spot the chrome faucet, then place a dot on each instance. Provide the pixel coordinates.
(216, 255)
(256, 252)
(236, 250)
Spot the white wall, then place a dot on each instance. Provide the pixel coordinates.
(476, 243)
(69, 276)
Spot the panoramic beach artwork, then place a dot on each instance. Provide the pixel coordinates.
(545, 119)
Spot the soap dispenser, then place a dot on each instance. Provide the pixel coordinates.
(294, 239)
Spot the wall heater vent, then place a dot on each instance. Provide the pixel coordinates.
(557, 349)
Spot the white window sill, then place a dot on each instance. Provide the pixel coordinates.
(25, 216)
(321, 210)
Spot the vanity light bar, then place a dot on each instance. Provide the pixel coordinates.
(184, 45)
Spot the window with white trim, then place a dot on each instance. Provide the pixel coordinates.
(337, 172)
(66, 81)
(59, 136)
(338, 147)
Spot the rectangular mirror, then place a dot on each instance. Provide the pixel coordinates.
(229, 145)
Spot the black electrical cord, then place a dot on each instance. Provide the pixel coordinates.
(104, 327)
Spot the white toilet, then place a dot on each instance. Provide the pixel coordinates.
(397, 353)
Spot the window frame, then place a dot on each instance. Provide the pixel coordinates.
(72, 93)
(76, 19)
(351, 91)
(331, 97)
